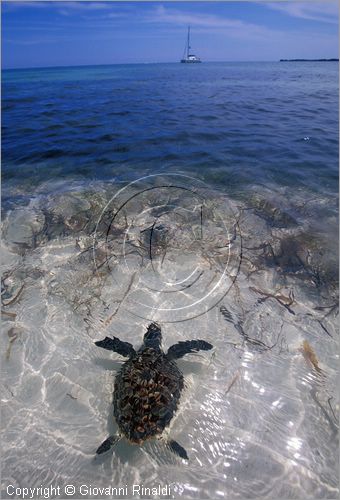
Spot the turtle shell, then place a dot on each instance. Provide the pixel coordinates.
(146, 394)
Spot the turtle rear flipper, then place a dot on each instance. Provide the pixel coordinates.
(180, 349)
(116, 345)
(107, 444)
(177, 449)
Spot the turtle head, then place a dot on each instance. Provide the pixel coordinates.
(153, 336)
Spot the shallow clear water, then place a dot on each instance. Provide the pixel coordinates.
(231, 237)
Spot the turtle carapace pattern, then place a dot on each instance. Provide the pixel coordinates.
(147, 388)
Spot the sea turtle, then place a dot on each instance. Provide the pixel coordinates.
(147, 388)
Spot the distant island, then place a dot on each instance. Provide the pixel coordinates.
(311, 60)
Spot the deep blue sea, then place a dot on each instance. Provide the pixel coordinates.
(234, 124)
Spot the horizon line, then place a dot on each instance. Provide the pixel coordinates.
(334, 59)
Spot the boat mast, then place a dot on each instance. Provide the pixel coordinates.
(188, 44)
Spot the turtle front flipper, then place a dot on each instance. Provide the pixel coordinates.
(116, 345)
(107, 444)
(177, 449)
(180, 349)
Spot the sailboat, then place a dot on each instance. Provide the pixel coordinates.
(187, 57)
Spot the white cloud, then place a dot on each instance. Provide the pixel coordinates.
(12, 5)
(63, 5)
(83, 5)
(326, 11)
(232, 27)
(273, 42)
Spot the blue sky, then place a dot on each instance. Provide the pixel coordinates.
(48, 33)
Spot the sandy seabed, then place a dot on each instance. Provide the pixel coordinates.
(255, 275)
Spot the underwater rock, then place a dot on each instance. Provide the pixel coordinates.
(66, 214)
(14, 280)
(76, 222)
(67, 204)
(303, 255)
(22, 229)
(290, 257)
(13, 333)
(155, 239)
(273, 215)
(12, 286)
(84, 243)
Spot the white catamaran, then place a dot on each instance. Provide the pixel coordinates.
(187, 57)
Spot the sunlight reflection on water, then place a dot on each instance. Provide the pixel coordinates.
(256, 417)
